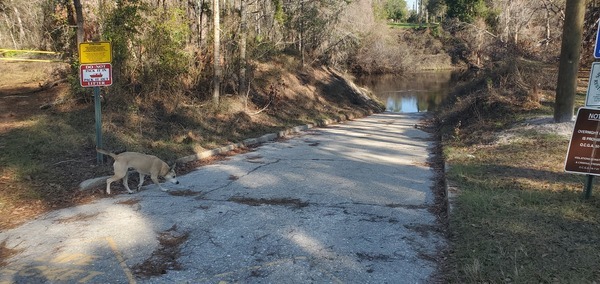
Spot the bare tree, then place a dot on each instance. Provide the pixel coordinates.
(552, 8)
(516, 15)
(217, 56)
(20, 25)
(243, 36)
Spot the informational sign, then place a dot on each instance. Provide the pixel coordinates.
(583, 156)
(95, 52)
(597, 47)
(592, 98)
(95, 75)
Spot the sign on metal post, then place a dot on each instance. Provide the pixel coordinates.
(96, 71)
(583, 156)
(597, 46)
(95, 52)
(95, 75)
(592, 97)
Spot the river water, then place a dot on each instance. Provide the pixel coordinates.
(411, 92)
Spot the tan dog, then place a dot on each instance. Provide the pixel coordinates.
(143, 164)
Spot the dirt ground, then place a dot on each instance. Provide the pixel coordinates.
(25, 89)
(28, 89)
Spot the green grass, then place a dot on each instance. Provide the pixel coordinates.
(413, 25)
(32, 153)
(525, 237)
(517, 217)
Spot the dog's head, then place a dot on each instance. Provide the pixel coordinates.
(171, 175)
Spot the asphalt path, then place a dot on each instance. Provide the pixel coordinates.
(348, 203)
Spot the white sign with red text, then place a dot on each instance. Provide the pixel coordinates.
(95, 75)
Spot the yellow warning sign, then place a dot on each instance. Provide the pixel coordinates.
(95, 52)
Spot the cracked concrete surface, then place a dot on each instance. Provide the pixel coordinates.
(347, 203)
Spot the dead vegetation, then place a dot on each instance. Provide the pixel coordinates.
(288, 202)
(6, 253)
(77, 218)
(165, 256)
(491, 99)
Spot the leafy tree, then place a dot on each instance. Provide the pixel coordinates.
(437, 8)
(279, 14)
(396, 10)
(466, 10)
(122, 25)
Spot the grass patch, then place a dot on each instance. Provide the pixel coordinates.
(524, 237)
(414, 25)
(516, 217)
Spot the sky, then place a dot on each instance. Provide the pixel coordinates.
(410, 4)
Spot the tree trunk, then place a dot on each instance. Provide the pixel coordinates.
(21, 28)
(243, 36)
(217, 54)
(547, 27)
(79, 20)
(200, 19)
(569, 60)
(12, 36)
(301, 41)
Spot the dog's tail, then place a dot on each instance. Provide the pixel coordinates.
(113, 155)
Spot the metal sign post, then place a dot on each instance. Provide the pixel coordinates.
(98, 115)
(589, 181)
(96, 71)
(96, 75)
(583, 156)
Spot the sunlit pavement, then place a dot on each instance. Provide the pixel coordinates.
(343, 204)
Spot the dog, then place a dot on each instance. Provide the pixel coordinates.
(143, 164)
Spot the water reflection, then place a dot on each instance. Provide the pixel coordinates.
(412, 92)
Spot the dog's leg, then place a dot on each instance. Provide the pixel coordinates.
(155, 180)
(120, 172)
(108, 182)
(126, 183)
(142, 177)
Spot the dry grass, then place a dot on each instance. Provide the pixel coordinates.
(517, 217)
